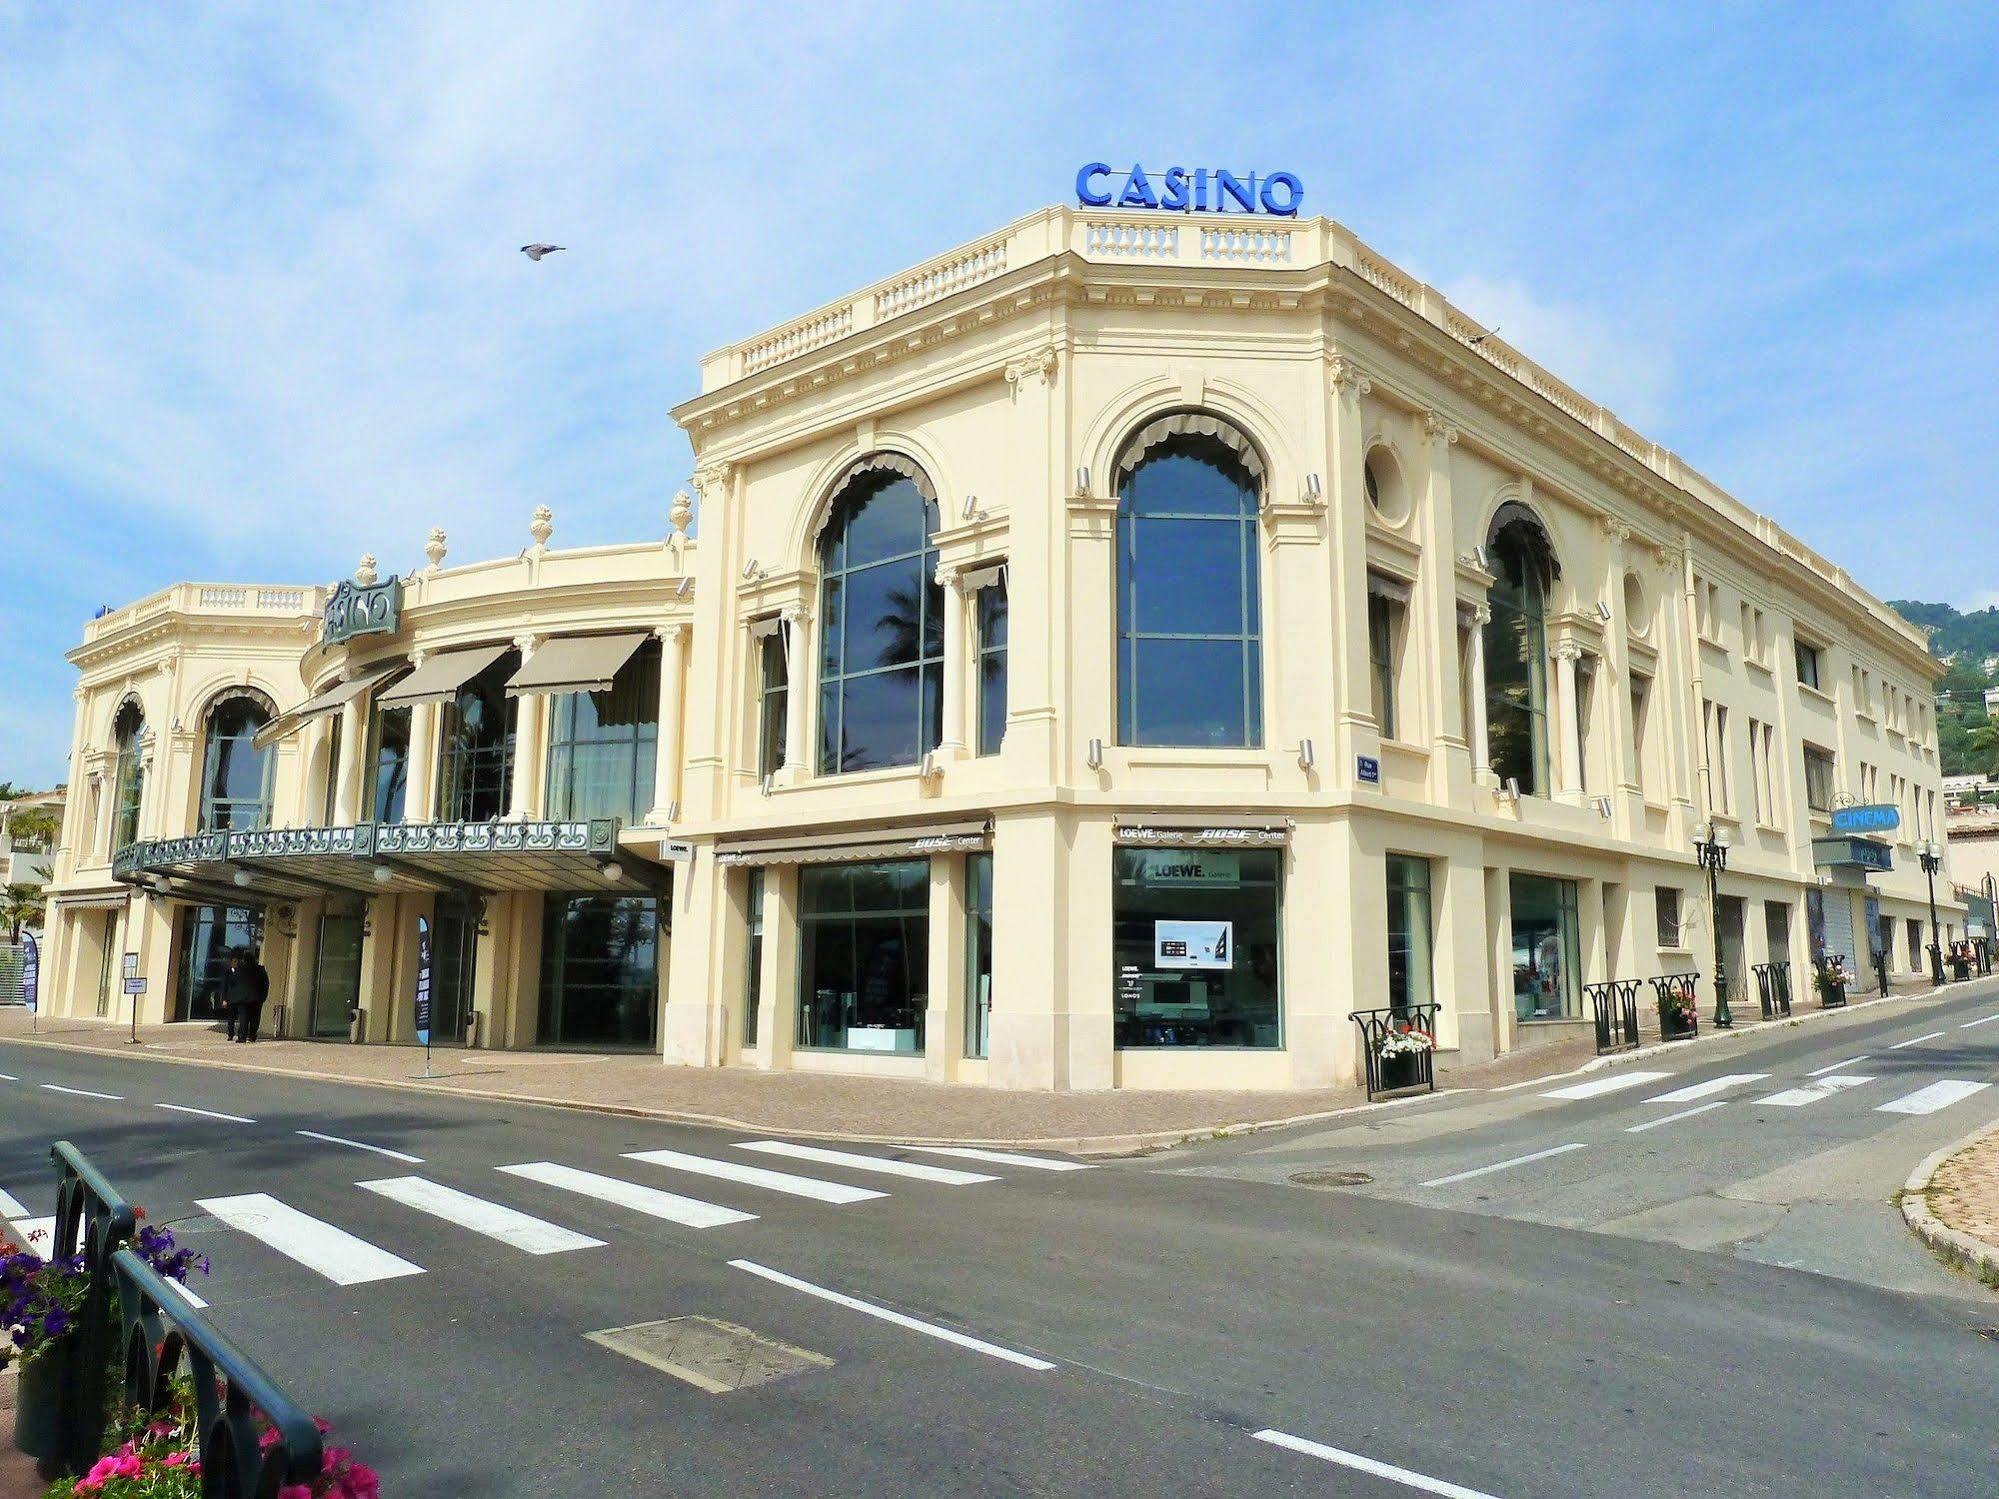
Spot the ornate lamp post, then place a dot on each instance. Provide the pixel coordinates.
(1931, 854)
(1711, 848)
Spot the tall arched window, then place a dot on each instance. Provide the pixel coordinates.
(235, 772)
(129, 781)
(475, 746)
(1190, 666)
(881, 658)
(1516, 648)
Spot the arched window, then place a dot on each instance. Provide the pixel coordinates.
(236, 772)
(129, 781)
(475, 746)
(1516, 649)
(881, 659)
(1189, 630)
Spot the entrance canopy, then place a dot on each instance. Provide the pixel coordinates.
(470, 858)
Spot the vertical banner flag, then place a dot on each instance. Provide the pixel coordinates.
(423, 980)
(31, 969)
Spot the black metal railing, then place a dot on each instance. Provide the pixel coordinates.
(1831, 986)
(132, 1312)
(1614, 1007)
(1773, 988)
(1413, 1067)
(1670, 985)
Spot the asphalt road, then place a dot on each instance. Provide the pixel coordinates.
(1127, 1329)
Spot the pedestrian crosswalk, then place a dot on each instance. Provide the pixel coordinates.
(1818, 1086)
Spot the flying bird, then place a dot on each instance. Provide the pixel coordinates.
(535, 252)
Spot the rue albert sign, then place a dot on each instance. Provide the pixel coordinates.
(1874, 819)
(354, 610)
(1178, 190)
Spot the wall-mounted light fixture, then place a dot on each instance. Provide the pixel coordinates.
(1307, 756)
(972, 510)
(1509, 789)
(751, 572)
(764, 786)
(1315, 488)
(1095, 757)
(1483, 558)
(1603, 807)
(1603, 611)
(680, 588)
(1083, 479)
(611, 871)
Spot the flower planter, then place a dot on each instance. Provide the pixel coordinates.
(38, 1405)
(1401, 1070)
(1672, 1027)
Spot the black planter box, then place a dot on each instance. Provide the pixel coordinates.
(1402, 1070)
(1672, 1028)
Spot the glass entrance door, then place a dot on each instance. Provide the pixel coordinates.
(454, 948)
(336, 977)
(1730, 920)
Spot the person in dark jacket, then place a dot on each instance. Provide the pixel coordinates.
(245, 987)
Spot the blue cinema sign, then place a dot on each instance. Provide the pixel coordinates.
(1872, 819)
(1203, 190)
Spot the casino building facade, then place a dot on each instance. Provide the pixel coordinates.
(1113, 652)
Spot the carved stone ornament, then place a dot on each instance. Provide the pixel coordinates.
(1568, 650)
(1347, 379)
(541, 525)
(1615, 530)
(682, 513)
(1042, 363)
(1439, 430)
(365, 573)
(711, 480)
(433, 547)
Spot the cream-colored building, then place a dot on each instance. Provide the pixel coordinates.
(1113, 652)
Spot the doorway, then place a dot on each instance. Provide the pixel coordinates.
(1728, 924)
(453, 966)
(336, 974)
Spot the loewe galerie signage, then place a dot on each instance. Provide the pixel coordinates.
(1179, 190)
(353, 610)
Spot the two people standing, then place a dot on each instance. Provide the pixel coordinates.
(245, 987)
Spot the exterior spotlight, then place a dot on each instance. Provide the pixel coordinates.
(1307, 756)
(1603, 807)
(971, 506)
(1095, 757)
(930, 767)
(1603, 611)
(1510, 789)
(1484, 559)
(751, 570)
(1083, 479)
(1314, 487)
(611, 871)
(680, 588)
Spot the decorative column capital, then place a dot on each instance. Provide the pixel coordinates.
(711, 480)
(1438, 430)
(1041, 364)
(671, 633)
(527, 645)
(793, 615)
(1482, 614)
(951, 578)
(1614, 529)
(1568, 650)
(1347, 379)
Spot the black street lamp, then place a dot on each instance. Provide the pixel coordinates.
(1931, 855)
(1711, 848)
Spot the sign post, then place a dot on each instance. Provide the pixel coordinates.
(134, 986)
(31, 977)
(423, 990)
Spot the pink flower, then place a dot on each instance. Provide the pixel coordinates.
(269, 1439)
(89, 1485)
(175, 1459)
(294, 1491)
(126, 1466)
(323, 1424)
(334, 1457)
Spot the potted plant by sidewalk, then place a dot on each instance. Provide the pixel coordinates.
(1400, 1055)
(1831, 979)
(1679, 1016)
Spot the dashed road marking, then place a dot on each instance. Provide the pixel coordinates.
(394, 1155)
(84, 1092)
(1915, 1040)
(1407, 1477)
(929, 1329)
(1639, 1129)
(1981, 1020)
(1519, 1160)
(689, 1212)
(316, 1244)
(1936, 1096)
(183, 1108)
(1614, 1083)
(943, 1175)
(1821, 1072)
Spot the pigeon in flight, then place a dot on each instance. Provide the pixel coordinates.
(535, 252)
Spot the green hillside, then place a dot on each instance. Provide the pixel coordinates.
(1970, 639)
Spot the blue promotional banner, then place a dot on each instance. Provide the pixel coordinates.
(31, 970)
(423, 980)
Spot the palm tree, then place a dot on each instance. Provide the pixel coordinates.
(21, 905)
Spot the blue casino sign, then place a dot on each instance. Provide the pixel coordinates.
(1179, 190)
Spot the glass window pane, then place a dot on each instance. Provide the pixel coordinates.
(881, 721)
(1545, 949)
(1190, 579)
(1409, 931)
(1195, 944)
(884, 621)
(864, 956)
(600, 970)
(1189, 476)
(1189, 692)
(885, 520)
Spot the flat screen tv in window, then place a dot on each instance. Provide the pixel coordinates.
(1193, 944)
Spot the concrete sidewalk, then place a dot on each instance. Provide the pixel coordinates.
(1952, 1202)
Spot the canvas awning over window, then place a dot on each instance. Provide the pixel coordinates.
(575, 663)
(439, 678)
(330, 701)
(856, 846)
(1194, 423)
(1381, 585)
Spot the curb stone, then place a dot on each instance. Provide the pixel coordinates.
(1953, 1245)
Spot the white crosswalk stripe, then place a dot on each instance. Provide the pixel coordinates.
(1614, 1083)
(1709, 1088)
(943, 1175)
(10, 1206)
(689, 1212)
(318, 1245)
(1936, 1096)
(523, 1231)
(1003, 1158)
(1825, 1087)
(756, 1176)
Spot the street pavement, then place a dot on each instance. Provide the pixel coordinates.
(1699, 1307)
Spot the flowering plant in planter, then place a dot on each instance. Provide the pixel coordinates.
(1677, 1009)
(1406, 1041)
(44, 1297)
(1832, 977)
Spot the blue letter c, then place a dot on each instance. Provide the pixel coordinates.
(1085, 193)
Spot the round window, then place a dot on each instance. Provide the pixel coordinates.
(1386, 494)
(1637, 615)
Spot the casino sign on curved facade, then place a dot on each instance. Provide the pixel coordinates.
(1114, 652)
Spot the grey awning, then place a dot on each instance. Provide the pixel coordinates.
(1382, 585)
(856, 845)
(1190, 423)
(575, 663)
(332, 700)
(439, 678)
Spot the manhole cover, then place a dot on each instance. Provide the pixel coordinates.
(1331, 1178)
(718, 1357)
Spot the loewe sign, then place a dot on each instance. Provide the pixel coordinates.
(1202, 190)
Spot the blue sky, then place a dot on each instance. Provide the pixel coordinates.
(262, 308)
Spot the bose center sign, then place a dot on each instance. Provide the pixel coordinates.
(1201, 190)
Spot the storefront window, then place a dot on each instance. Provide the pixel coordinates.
(1194, 939)
(1189, 635)
(978, 953)
(881, 671)
(1409, 932)
(601, 745)
(992, 667)
(236, 774)
(475, 747)
(1546, 953)
(208, 934)
(864, 960)
(389, 783)
(130, 781)
(599, 970)
(753, 978)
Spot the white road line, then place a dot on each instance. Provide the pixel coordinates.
(1797, 1098)
(1821, 1072)
(756, 1176)
(522, 1231)
(1407, 1477)
(690, 1212)
(1597, 1086)
(8, 1077)
(188, 1296)
(83, 1092)
(1936, 1096)
(1709, 1088)
(1982, 1020)
(183, 1108)
(394, 1155)
(1519, 1160)
(10, 1206)
(1702, 1108)
(29, 1227)
(1004, 1158)
(1915, 1040)
(942, 1174)
(929, 1329)
(315, 1244)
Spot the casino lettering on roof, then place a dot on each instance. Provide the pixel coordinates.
(1116, 652)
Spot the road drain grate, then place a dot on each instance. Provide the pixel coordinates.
(1330, 1178)
(718, 1357)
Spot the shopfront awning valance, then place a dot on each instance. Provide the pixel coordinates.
(332, 700)
(1192, 830)
(1383, 586)
(575, 663)
(1189, 424)
(856, 846)
(439, 678)
(888, 463)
